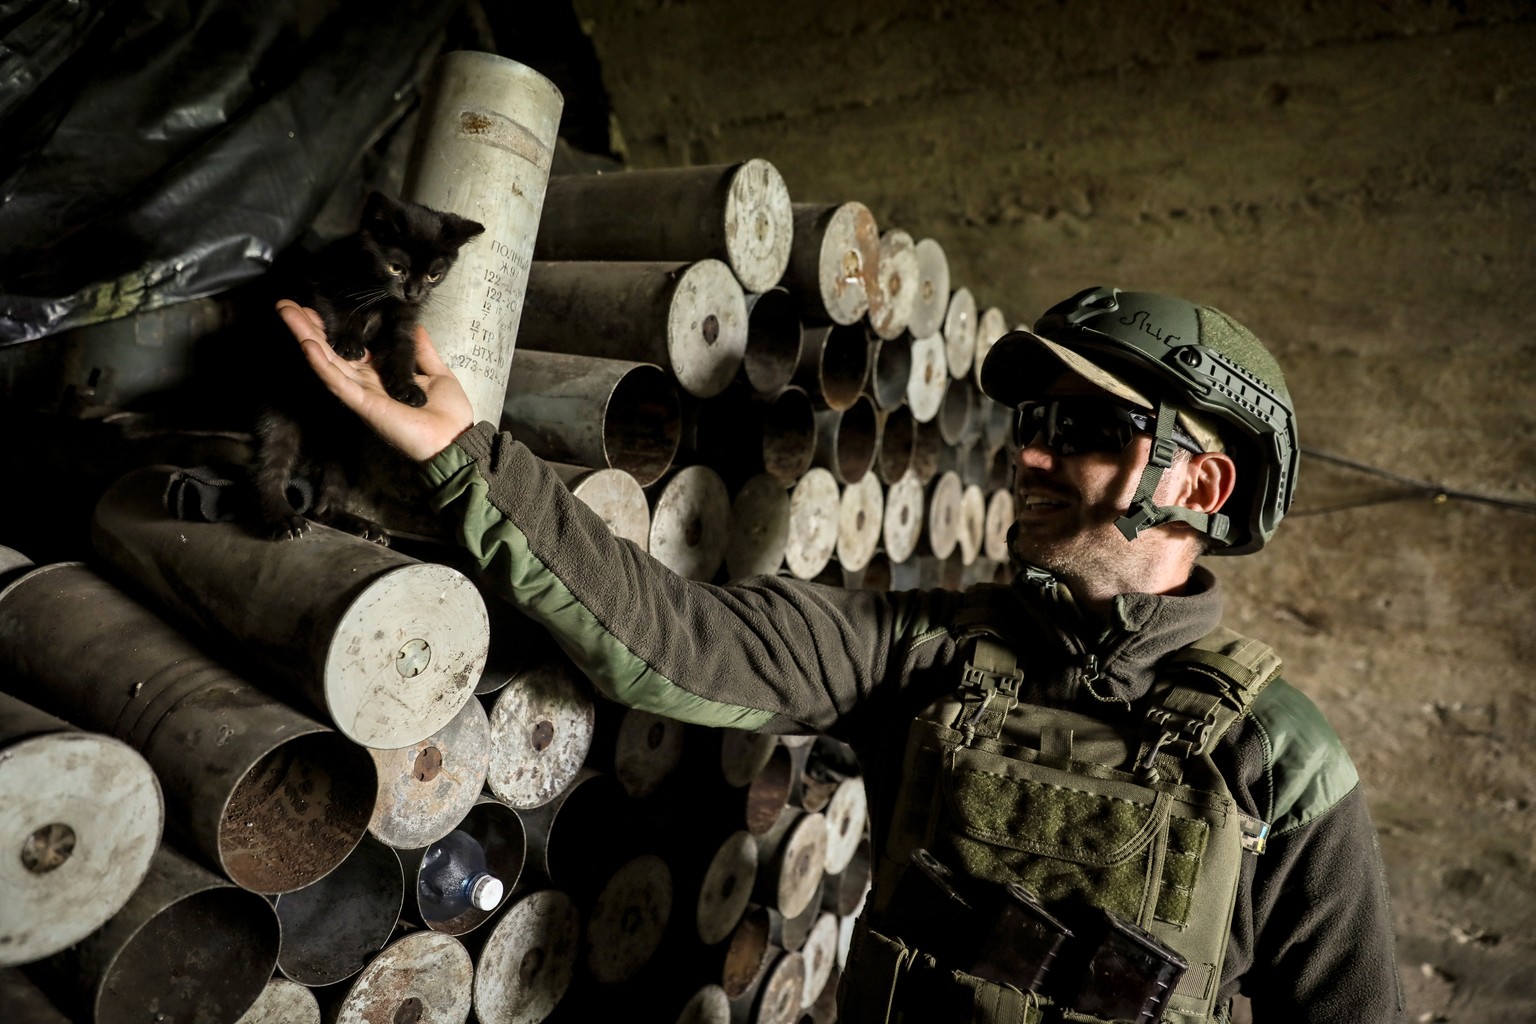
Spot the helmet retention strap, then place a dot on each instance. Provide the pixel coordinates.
(1145, 513)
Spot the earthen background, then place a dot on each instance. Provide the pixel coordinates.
(1354, 181)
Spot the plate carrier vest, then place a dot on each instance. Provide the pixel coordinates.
(1126, 812)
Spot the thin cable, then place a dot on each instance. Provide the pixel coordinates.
(1418, 488)
(1362, 503)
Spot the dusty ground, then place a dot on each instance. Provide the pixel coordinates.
(1358, 184)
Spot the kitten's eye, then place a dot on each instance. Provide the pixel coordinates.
(396, 269)
(435, 276)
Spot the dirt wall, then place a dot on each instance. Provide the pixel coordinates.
(1355, 182)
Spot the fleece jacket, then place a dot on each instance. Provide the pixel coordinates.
(1311, 936)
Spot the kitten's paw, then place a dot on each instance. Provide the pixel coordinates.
(360, 526)
(411, 395)
(349, 349)
(287, 528)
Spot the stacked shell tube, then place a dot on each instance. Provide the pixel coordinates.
(388, 647)
(84, 813)
(270, 797)
(484, 145)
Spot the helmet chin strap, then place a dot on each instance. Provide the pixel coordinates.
(1144, 513)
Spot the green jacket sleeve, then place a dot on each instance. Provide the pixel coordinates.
(770, 654)
(1321, 934)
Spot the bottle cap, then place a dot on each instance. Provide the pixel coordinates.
(485, 892)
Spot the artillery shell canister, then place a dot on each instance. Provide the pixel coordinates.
(898, 283)
(929, 377)
(903, 519)
(736, 213)
(688, 318)
(990, 325)
(941, 529)
(834, 262)
(793, 859)
(740, 433)
(560, 847)
(774, 335)
(973, 522)
(960, 333)
(932, 300)
(690, 519)
(708, 1005)
(999, 521)
(898, 441)
(645, 750)
(427, 787)
(332, 926)
(847, 812)
(270, 796)
(628, 919)
(846, 440)
(388, 647)
(814, 504)
(541, 732)
(283, 1002)
(743, 755)
(759, 528)
(187, 946)
(726, 887)
(84, 812)
(861, 513)
(484, 144)
(890, 367)
(820, 955)
(591, 411)
(422, 977)
(525, 966)
(616, 496)
(834, 363)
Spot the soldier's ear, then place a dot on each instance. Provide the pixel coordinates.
(1208, 482)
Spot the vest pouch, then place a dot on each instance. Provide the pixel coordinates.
(888, 982)
(1067, 836)
(1074, 830)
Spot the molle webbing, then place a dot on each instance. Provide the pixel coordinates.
(1203, 689)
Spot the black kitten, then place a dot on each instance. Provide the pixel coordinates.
(369, 289)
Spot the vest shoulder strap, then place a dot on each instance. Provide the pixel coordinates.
(1201, 691)
(1204, 688)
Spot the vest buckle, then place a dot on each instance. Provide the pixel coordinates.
(988, 682)
(990, 697)
(1184, 734)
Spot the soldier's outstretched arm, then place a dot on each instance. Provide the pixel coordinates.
(768, 654)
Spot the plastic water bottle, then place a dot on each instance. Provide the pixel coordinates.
(455, 877)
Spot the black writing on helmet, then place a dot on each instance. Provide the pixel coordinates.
(1142, 317)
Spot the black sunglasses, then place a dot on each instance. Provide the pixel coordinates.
(1071, 426)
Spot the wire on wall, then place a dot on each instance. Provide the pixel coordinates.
(1415, 489)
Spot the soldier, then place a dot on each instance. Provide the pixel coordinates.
(1084, 758)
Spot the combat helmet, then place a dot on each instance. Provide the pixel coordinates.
(1185, 356)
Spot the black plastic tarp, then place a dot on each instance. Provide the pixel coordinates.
(154, 152)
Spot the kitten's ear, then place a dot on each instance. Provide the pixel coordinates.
(380, 211)
(458, 230)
